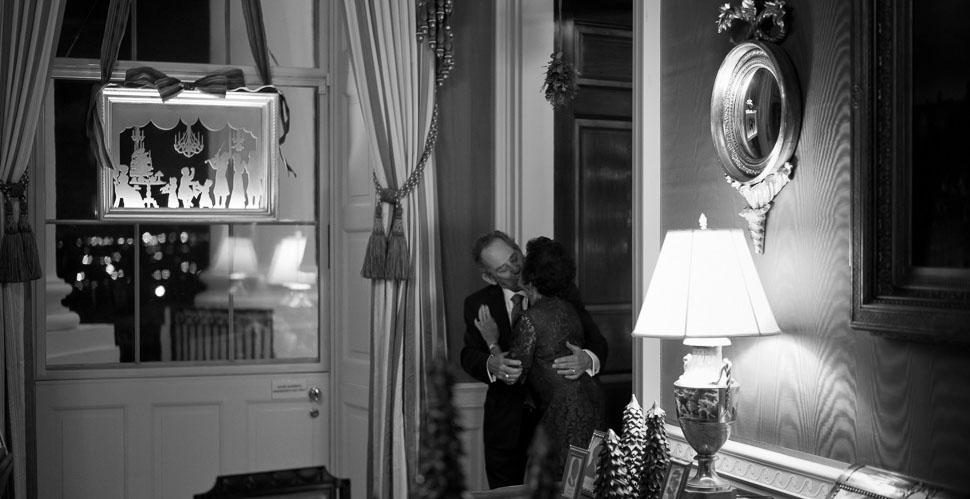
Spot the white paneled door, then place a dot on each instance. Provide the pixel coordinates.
(171, 437)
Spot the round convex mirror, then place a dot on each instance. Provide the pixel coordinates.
(755, 111)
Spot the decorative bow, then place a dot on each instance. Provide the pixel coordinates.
(168, 87)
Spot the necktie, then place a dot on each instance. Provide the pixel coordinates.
(516, 308)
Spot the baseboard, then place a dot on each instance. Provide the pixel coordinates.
(767, 471)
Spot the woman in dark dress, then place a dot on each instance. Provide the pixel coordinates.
(569, 409)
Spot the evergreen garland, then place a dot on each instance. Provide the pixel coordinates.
(540, 478)
(656, 454)
(440, 473)
(611, 473)
(633, 444)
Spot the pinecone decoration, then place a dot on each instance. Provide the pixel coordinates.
(560, 86)
(633, 443)
(540, 478)
(656, 454)
(611, 474)
(440, 473)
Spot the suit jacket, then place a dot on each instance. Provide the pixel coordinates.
(503, 403)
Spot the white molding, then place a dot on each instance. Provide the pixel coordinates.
(469, 403)
(810, 477)
(524, 33)
(647, 147)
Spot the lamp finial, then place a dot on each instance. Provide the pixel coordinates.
(702, 221)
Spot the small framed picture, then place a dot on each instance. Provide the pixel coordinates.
(675, 479)
(572, 473)
(592, 461)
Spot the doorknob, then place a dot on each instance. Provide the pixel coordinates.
(314, 394)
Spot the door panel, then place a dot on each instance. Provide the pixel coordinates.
(177, 429)
(593, 177)
(171, 437)
(78, 433)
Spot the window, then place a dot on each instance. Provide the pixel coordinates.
(149, 294)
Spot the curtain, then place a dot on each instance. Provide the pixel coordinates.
(395, 79)
(28, 37)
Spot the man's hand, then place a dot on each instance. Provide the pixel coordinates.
(506, 370)
(486, 325)
(573, 366)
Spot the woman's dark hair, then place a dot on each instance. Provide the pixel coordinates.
(548, 266)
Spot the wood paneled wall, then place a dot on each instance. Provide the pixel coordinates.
(821, 387)
(464, 160)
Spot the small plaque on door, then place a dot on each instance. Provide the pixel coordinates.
(289, 388)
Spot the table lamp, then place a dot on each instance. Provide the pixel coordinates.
(284, 270)
(236, 259)
(704, 290)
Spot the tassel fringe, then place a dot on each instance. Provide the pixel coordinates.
(375, 255)
(19, 261)
(398, 256)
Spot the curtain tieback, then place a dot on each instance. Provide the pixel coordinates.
(18, 252)
(216, 83)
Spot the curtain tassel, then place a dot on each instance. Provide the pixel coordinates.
(398, 255)
(18, 253)
(374, 257)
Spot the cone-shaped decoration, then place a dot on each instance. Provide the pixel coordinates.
(612, 481)
(633, 442)
(540, 478)
(656, 455)
(440, 472)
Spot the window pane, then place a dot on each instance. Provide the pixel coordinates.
(254, 297)
(91, 320)
(298, 194)
(174, 30)
(83, 28)
(290, 34)
(76, 173)
(172, 258)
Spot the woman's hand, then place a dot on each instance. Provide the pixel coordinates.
(486, 325)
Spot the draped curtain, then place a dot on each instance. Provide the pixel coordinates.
(28, 37)
(395, 79)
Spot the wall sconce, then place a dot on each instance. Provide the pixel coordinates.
(704, 290)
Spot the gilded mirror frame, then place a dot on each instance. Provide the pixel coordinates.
(731, 87)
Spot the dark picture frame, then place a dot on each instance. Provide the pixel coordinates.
(572, 473)
(675, 479)
(896, 291)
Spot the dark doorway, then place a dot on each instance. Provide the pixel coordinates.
(593, 177)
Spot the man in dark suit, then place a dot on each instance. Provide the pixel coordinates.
(509, 420)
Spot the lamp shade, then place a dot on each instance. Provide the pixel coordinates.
(284, 269)
(704, 288)
(236, 258)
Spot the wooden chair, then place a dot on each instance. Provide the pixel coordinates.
(314, 482)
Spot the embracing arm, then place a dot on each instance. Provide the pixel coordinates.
(595, 342)
(474, 350)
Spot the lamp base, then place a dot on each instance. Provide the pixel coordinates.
(706, 484)
(690, 493)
